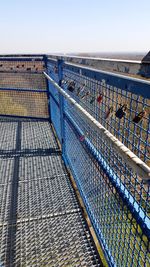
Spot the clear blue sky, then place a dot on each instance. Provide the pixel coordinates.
(40, 26)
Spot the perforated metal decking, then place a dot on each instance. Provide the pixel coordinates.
(41, 223)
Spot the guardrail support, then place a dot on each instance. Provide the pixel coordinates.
(47, 87)
(61, 102)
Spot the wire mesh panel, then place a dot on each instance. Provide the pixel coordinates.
(21, 64)
(27, 104)
(124, 109)
(111, 191)
(28, 81)
(23, 87)
(115, 195)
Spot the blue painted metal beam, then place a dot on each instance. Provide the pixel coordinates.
(21, 59)
(48, 89)
(61, 103)
(21, 72)
(23, 90)
(23, 117)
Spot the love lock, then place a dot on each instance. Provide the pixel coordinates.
(71, 86)
(78, 91)
(109, 112)
(82, 88)
(81, 138)
(139, 117)
(55, 69)
(120, 113)
(87, 93)
(99, 98)
(92, 100)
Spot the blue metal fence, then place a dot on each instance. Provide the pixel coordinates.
(116, 197)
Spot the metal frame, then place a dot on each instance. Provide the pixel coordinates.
(23, 90)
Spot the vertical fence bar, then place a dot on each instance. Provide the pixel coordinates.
(48, 89)
(61, 102)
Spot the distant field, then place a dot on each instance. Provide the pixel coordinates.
(126, 56)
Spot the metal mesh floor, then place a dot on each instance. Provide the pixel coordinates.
(41, 223)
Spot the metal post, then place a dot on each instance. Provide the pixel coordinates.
(47, 87)
(61, 103)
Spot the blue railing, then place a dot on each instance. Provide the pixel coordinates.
(115, 193)
(113, 182)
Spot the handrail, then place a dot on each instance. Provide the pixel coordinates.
(130, 158)
(66, 56)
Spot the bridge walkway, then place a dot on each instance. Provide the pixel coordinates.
(41, 222)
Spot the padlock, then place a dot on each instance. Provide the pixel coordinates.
(99, 98)
(64, 82)
(139, 117)
(71, 86)
(120, 113)
(81, 138)
(55, 69)
(78, 91)
(82, 88)
(87, 93)
(109, 112)
(92, 100)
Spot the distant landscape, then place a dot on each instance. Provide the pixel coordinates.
(116, 55)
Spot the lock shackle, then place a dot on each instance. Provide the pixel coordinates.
(124, 107)
(142, 113)
(111, 109)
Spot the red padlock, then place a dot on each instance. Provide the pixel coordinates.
(81, 138)
(109, 112)
(99, 98)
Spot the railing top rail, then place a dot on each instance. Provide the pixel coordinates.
(132, 160)
(65, 56)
